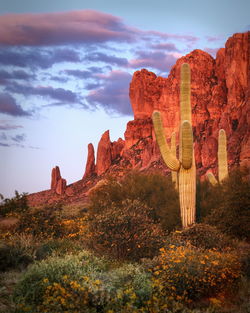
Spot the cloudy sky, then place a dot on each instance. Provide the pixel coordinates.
(65, 68)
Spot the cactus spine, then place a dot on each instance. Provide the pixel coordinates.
(222, 160)
(185, 168)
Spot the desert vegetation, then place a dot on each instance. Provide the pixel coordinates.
(127, 252)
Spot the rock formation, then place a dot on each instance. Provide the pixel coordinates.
(220, 99)
(61, 186)
(55, 177)
(90, 165)
(103, 161)
(58, 184)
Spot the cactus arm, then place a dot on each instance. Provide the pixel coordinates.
(185, 104)
(173, 151)
(211, 178)
(171, 161)
(187, 144)
(222, 156)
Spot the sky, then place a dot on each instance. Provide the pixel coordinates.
(65, 69)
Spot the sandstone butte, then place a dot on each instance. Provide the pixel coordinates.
(220, 97)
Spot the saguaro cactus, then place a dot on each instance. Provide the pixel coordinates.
(185, 167)
(222, 160)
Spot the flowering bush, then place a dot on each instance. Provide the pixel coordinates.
(187, 273)
(82, 283)
(126, 232)
(202, 236)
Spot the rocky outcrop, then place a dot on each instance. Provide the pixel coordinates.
(104, 155)
(55, 177)
(219, 97)
(61, 186)
(90, 165)
(116, 148)
(58, 184)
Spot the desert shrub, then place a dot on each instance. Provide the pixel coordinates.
(17, 252)
(208, 197)
(81, 283)
(154, 190)
(232, 215)
(126, 232)
(17, 204)
(44, 222)
(187, 273)
(59, 247)
(202, 236)
(13, 257)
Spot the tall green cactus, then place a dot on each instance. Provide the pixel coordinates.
(222, 160)
(185, 167)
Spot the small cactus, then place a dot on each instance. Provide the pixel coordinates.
(185, 167)
(222, 160)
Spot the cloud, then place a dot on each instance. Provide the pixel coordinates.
(165, 46)
(33, 58)
(60, 94)
(155, 59)
(75, 27)
(91, 86)
(86, 26)
(79, 73)
(113, 96)
(110, 59)
(19, 138)
(5, 126)
(3, 136)
(213, 38)
(4, 144)
(18, 75)
(9, 106)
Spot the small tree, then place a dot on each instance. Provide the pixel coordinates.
(154, 190)
(125, 232)
(232, 215)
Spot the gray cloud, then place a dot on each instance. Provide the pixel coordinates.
(9, 106)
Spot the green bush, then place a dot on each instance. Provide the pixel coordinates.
(126, 232)
(13, 257)
(17, 204)
(232, 215)
(154, 190)
(59, 247)
(208, 197)
(81, 283)
(17, 252)
(202, 236)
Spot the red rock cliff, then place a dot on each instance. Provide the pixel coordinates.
(219, 97)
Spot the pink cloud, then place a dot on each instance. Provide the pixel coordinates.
(85, 26)
(61, 28)
(113, 95)
(157, 60)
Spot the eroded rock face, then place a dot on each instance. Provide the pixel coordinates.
(219, 97)
(90, 165)
(58, 184)
(61, 186)
(55, 177)
(104, 155)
